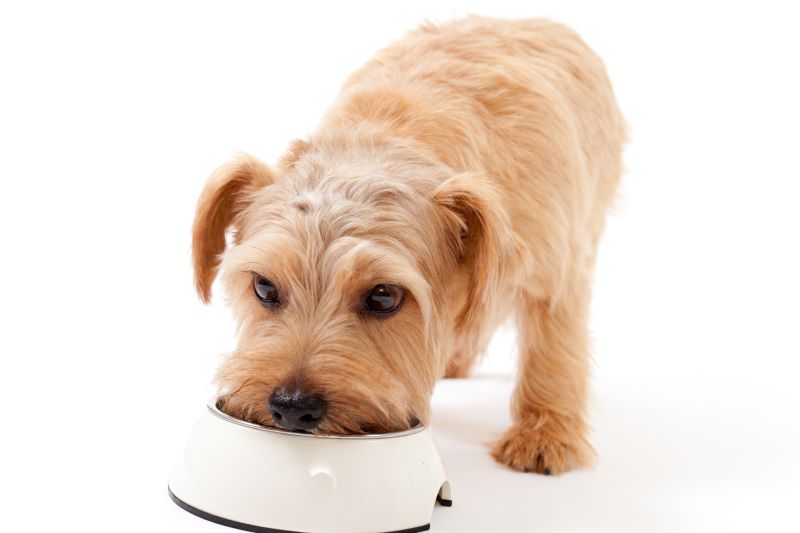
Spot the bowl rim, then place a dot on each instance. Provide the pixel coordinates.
(214, 410)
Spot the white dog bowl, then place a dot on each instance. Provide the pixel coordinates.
(267, 480)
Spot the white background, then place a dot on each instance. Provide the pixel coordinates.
(112, 115)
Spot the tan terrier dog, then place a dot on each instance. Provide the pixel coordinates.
(462, 176)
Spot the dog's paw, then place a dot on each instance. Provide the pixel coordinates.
(528, 448)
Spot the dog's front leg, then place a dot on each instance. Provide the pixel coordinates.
(548, 406)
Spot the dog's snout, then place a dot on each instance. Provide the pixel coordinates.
(296, 409)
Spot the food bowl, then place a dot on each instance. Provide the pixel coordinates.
(269, 480)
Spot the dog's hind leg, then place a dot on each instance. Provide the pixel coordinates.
(548, 405)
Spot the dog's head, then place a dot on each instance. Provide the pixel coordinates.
(349, 272)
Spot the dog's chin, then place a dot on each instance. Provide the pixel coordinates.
(333, 428)
(332, 425)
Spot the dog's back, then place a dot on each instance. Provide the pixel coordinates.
(521, 100)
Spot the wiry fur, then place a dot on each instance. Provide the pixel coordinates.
(472, 164)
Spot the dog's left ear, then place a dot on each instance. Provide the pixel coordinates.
(227, 193)
(481, 235)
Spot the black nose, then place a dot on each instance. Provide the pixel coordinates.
(295, 409)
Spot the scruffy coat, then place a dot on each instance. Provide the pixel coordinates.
(471, 164)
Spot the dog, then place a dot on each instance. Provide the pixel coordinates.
(461, 178)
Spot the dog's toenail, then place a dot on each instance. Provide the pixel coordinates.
(546, 472)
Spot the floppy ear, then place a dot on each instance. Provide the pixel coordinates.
(227, 193)
(482, 238)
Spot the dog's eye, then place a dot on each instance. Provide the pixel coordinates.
(266, 291)
(383, 299)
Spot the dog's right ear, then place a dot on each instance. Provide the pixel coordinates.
(227, 193)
